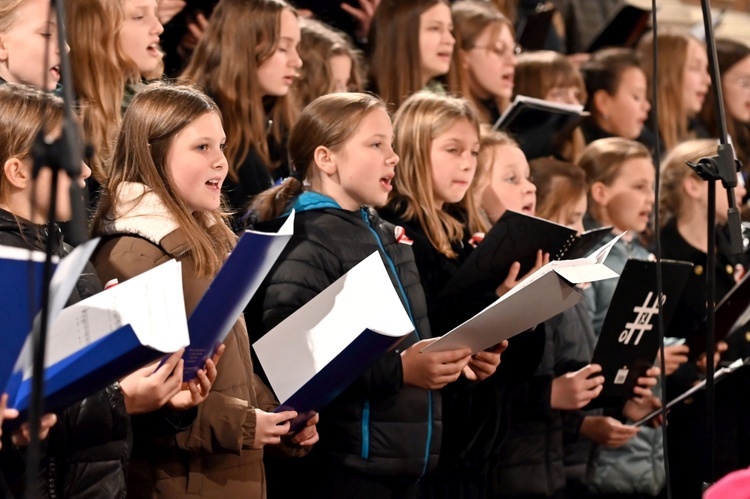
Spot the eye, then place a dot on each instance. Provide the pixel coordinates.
(377, 145)
(222, 147)
(202, 147)
(475, 154)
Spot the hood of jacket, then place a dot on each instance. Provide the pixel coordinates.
(139, 211)
(16, 231)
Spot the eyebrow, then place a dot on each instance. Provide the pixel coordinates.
(208, 139)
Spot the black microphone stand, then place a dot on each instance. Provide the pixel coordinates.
(721, 167)
(63, 154)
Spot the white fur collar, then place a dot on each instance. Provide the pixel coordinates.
(140, 211)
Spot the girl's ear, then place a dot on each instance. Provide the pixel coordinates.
(3, 49)
(17, 173)
(325, 160)
(599, 193)
(462, 59)
(693, 188)
(601, 103)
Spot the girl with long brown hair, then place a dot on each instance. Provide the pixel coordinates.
(331, 63)
(683, 86)
(74, 465)
(487, 53)
(413, 49)
(734, 66)
(162, 200)
(248, 62)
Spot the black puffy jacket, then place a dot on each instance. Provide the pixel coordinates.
(86, 452)
(378, 426)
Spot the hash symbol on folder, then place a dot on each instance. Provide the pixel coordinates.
(642, 321)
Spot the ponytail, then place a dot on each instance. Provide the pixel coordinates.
(273, 202)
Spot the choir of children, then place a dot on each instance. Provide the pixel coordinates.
(268, 117)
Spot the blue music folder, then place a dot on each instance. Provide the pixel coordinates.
(230, 292)
(319, 350)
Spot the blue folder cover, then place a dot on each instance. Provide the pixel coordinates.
(230, 292)
(336, 376)
(20, 300)
(106, 361)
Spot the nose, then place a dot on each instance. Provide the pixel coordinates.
(646, 105)
(295, 61)
(393, 159)
(66, 47)
(221, 162)
(157, 28)
(529, 188)
(469, 161)
(85, 173)
(449, 38)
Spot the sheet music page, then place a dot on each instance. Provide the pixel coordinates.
(309, 339)
(152, 303)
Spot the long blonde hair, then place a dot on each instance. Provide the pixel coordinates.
(241, 35)
(674, 171)
(327, 121)
(8, 11)
(672, 52)
(100, 72)
(153, 119)
(419, 121)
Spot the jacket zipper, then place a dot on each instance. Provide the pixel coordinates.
(365, 424)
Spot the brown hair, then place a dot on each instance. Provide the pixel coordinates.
(319, 43)
(395, 63)
(327, 121)
(602, 161)
(672, 52)
(674, 171)
(100, 72)
(728, 53)
(419, 121)
(26, 112)
(508, 8)
(558, 184)
(604, 71)
(470, 19)
(241, 35)
(539, 72)
(153, 119)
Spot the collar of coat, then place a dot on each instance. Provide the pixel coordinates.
(310, 200)
(140, 211)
